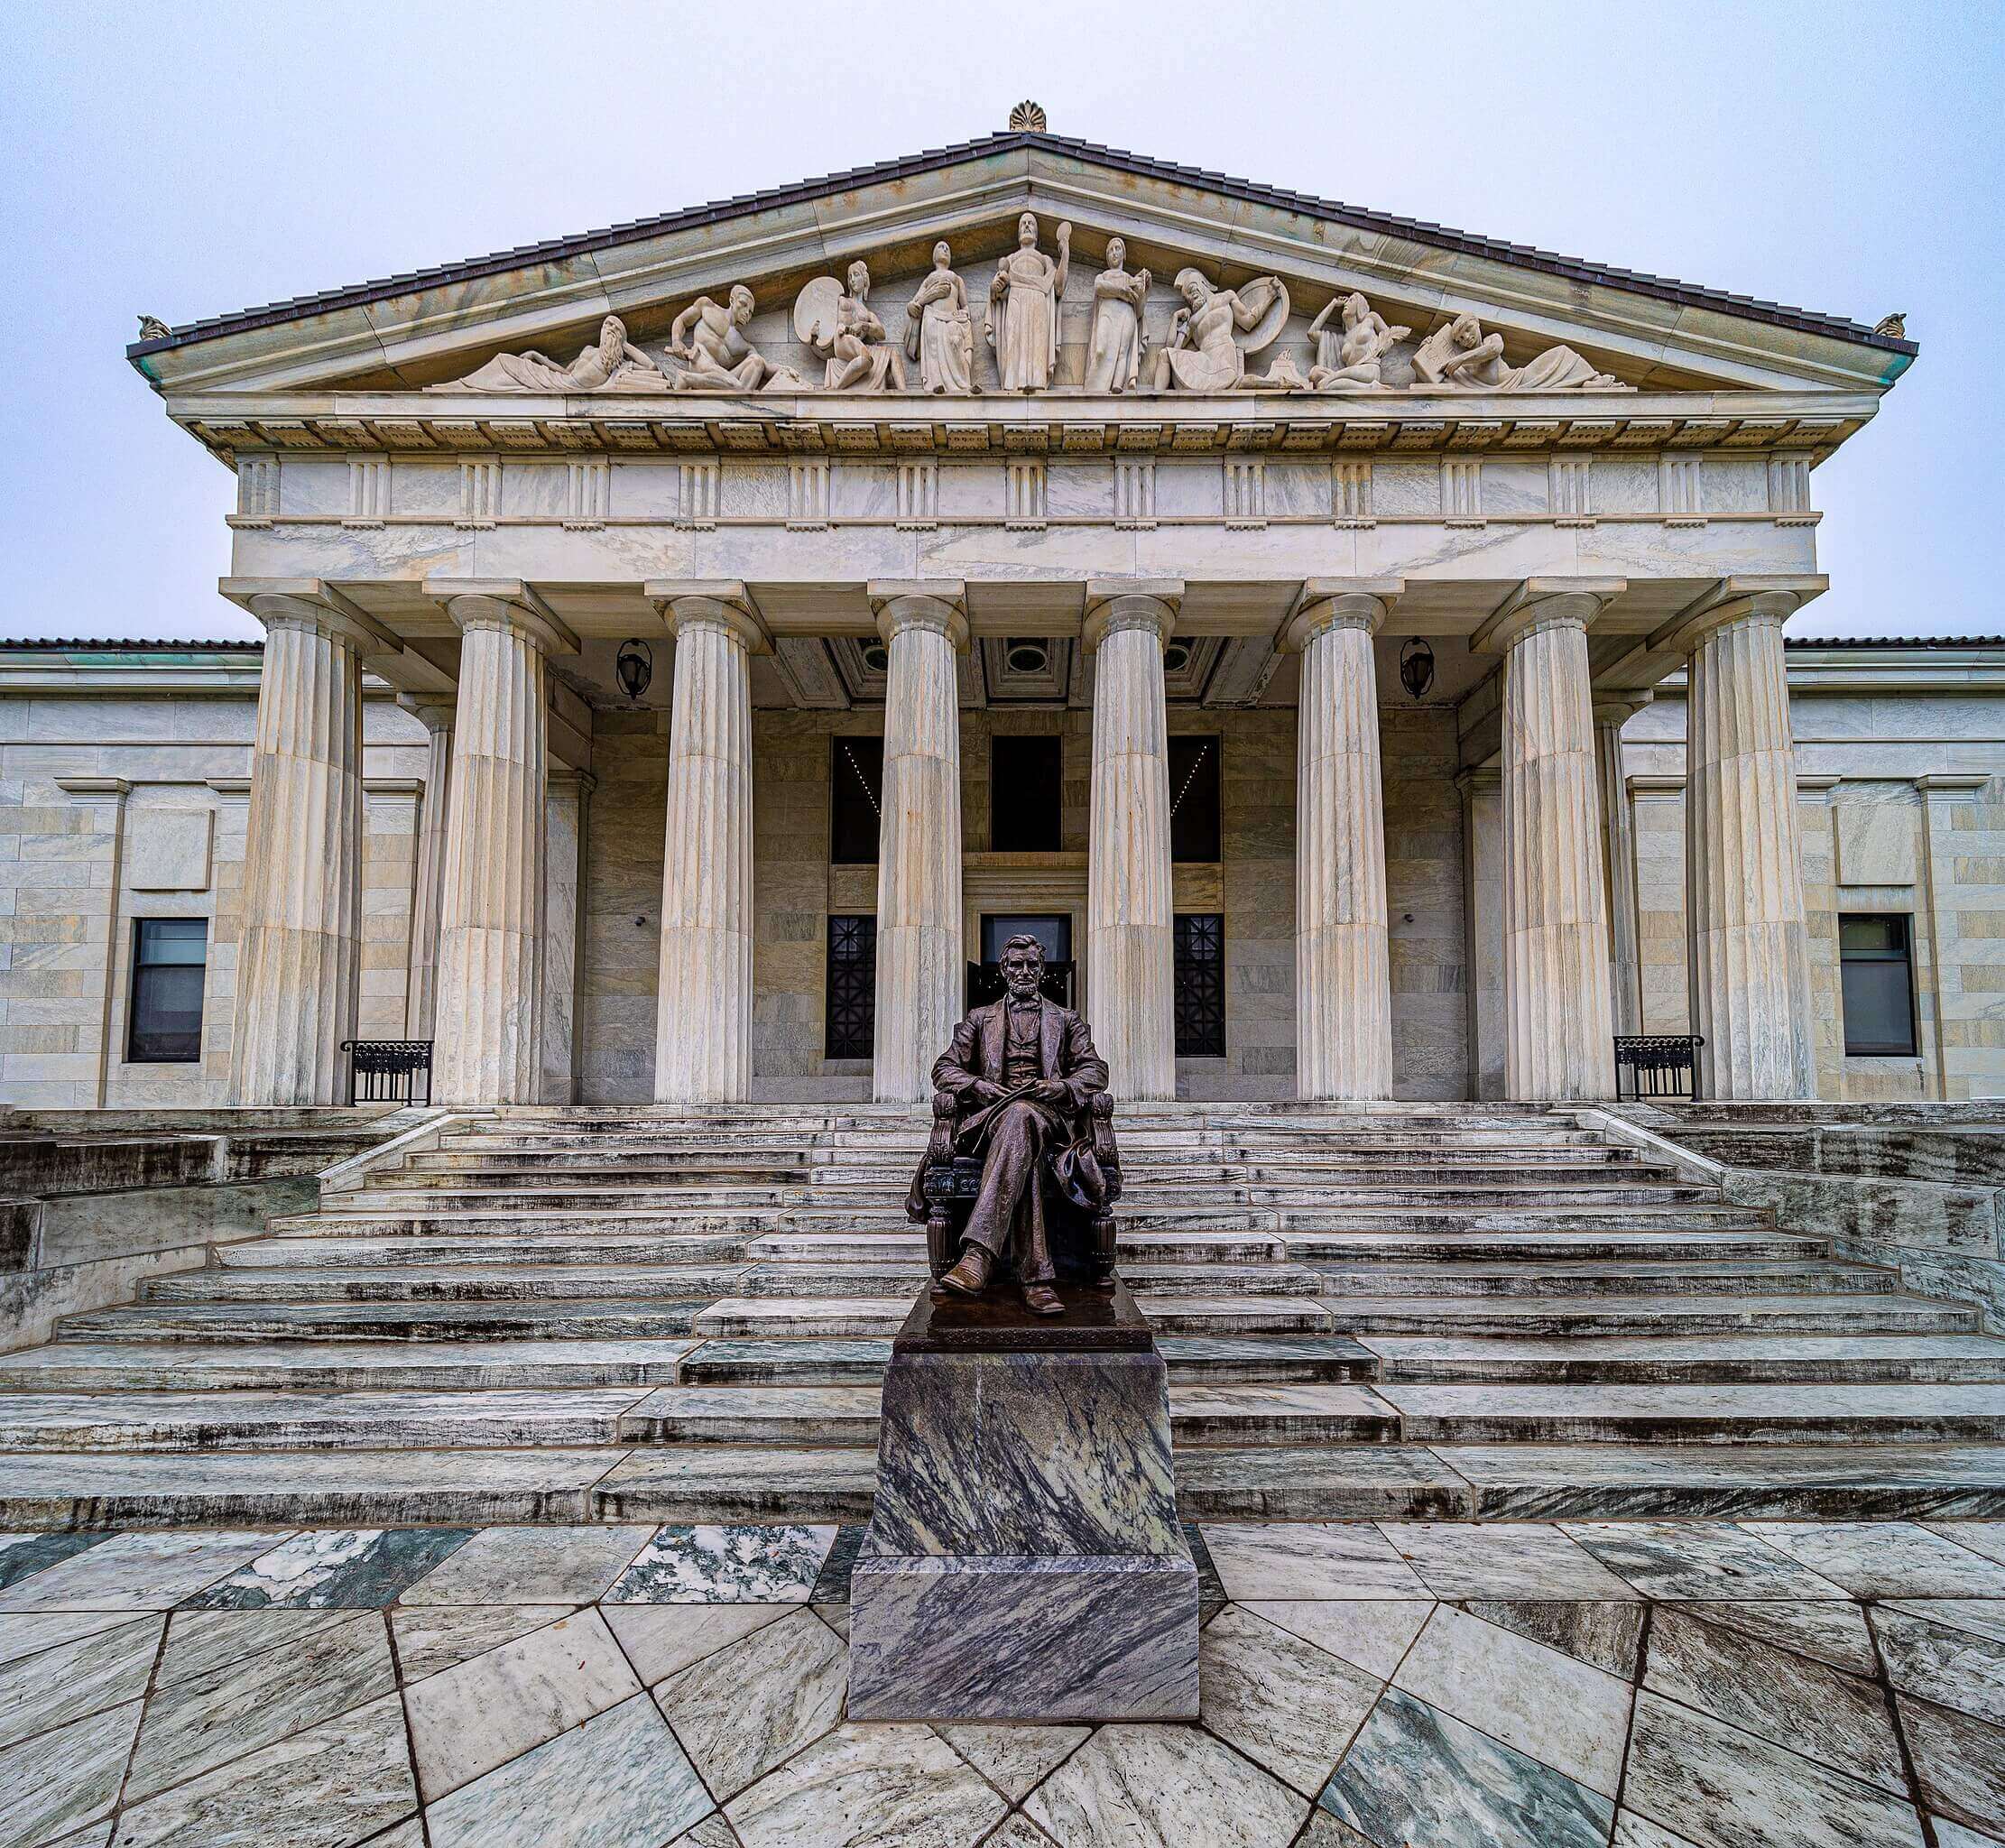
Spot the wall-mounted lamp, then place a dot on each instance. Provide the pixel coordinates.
(635, 664)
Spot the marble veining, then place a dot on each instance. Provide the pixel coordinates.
(1525, 1561)
(1698, 1559)
(21, 1555)
(432, 1638)
(1821, 1628)
(1156, 1787)
(64, 1683)
(660, 1639)
(1887, 1559)
(1604, 1635)
(531, 1565)
(359, 1570)
(703, 1565)
(868, 1784)
(1418, 1774)
(61, 1778)
(1308, 1560)
(134, 1572)
(1015, 1759)
(1370, 1634)
(1287, 1704)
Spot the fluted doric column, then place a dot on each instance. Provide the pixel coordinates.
(486, 1040)
(920, 955)
(429, 876)
(703, 1025)
(1744, 856)
(1558, 1040)
(298, 954)
(1625, 974)
(1342, 965)
(1130, 967)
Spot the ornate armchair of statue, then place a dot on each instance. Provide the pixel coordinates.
(1081, 1185)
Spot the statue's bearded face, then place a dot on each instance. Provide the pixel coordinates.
(1021, 971)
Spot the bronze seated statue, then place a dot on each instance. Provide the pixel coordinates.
(1021, 1175)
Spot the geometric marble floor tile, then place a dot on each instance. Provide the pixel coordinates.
(732, 1563)
(65, 1683)
(21, 1554)
(532, 1565)
(1015, 1759)
(1936, 1662)
(1163, 1787)
(135, 1572)
(1698, 1559)
(1370, 1634)
(1518, 1560)
(1288, 1705)
(619, 1780)
(1985, 1536)
(432, 1638)
(662, 1640)
(1419, 1775)
(756, 1703)
(361, 1570)
(1722, 1788)
(1888, 1558)
(1949, 1834)
(1605, 1636)
(1959, 1761)
(472, 1718)
(902, 1784)
(1552, 1708)
(1308, 1560)
(1975, 1616)
(1824, 1629)
(56, 1780)
(1837, 1720)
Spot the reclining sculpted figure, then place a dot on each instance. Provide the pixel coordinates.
(1022, 1090)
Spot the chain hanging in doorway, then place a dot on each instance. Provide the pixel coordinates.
(857, 770)
(1196, 764)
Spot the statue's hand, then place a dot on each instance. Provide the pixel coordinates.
(1049, 1091)
(983, 1092)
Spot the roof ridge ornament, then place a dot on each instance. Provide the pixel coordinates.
(1027, 118)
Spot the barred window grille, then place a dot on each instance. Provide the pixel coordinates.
(851, 986)
(1200, 983)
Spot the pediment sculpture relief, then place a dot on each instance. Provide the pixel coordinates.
(1213, 336)
(839, 323)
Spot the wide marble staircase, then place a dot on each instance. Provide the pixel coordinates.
(1455, 1312)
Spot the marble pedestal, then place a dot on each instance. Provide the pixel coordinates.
(1023, 1560)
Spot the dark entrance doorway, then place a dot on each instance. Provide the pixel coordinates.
(1053, 929)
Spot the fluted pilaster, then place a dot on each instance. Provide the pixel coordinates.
(1744, 859)
(703, 1031)
(920, 953)
(1556, 1023)
(1625, 976)
(1131, 957)
(486, 1042)
(298, 957)
(1343, 969)
(428, 875)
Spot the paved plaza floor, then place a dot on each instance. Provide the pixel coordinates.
(1521, 1686)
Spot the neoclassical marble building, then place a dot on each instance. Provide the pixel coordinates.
(1247, 590)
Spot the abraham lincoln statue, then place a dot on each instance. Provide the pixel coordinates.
(1016, 1088)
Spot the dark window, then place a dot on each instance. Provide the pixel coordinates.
(1193, 799)
(1876, 966)
(852, 987)
(857, 774)
(164, 1026)
(1026, 794)
(1200, 984)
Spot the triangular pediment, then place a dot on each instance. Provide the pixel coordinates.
(422, 332)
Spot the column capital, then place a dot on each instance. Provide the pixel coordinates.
(925, 603)
(311, 602)
(1542, 603)
(502, 603)
(720, 603)
(1115, 604)
(1338, 602)
(1616, 709)
(93, 786)
(434, 711)
(1759, 598)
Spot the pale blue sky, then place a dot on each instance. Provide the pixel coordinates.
(186, 160)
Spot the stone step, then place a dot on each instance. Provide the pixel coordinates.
(828, 1318)
(305, 1420)
(1549, 1280)
(1492, 1413)
(711, 1483)
(1136, 1248)
(1532, 1248)
(1235, 1181)
(228, 1322)
(1684, 1315)
(338, 1250)
(341, 1366)
(743, 1165)
(1723, 1358)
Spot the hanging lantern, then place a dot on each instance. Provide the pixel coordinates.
(1417, 667)
(635, 664)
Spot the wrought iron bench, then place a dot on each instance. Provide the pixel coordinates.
(945, 1188)
(1657, 1064)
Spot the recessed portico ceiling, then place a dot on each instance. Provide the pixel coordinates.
(402, 332)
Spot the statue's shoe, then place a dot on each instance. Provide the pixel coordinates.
(1041, 1299)
(970, 1275)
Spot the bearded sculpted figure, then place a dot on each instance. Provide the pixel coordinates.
(939, 331)
(710, 342)
(1462, 357)
(611, 364)
(1023, 308)
(1018, 1083)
